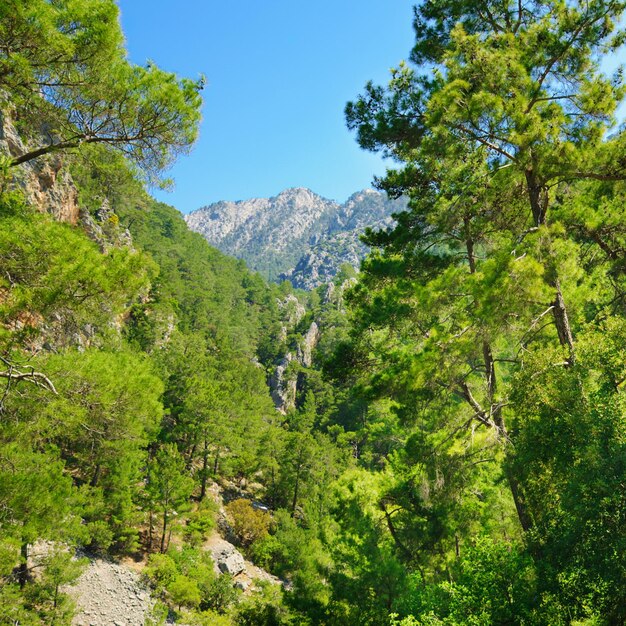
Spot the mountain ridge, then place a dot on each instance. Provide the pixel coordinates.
(296, 235)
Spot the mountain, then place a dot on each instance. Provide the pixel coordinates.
(296, 235)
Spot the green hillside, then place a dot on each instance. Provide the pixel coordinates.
(450, 447)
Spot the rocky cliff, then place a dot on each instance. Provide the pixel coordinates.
(45, 182)
(296, 235)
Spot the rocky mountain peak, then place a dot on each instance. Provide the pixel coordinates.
(296, 235)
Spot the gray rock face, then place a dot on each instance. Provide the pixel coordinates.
(292, 311)
(297, 235)
(229, 560)
(307, 345)
(283, 387)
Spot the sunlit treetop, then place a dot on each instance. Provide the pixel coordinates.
(67, 81)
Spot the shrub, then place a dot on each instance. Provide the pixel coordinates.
(249, 524)
(200, 524)
(184, 592)
(161, 570)
(220, 595)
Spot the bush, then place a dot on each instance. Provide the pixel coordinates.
(265, 551)
(220, 595)
(200, 524)
(249, 524)
(100, 536)
(184, 592)
(161, 570)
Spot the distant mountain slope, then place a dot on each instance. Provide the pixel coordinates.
(297, 235)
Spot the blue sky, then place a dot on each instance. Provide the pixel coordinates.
(279, 73)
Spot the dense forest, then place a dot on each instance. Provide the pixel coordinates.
(453, 451)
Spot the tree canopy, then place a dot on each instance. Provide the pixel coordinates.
(501, 272)
(64, 69)
(454, 448)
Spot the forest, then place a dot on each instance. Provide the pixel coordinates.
(455, 451)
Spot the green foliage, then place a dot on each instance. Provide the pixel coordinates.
(167, 490)
(220, 594)
(60, 568)
(65, 68)
(52, 272)
(465, 464)
(200, 523)
(131, 370)
(185, 579)
(184, 592)
(249, 524)
(161, 570)
(472, 321)
(266, 608)
(37, 498)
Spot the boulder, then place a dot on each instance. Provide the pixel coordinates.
(230, 561)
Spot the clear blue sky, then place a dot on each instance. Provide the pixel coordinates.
(279, 73)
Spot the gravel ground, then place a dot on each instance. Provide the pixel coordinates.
(109, 594)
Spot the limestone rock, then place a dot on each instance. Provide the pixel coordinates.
(110, 593)
(230, 561)
(296, 235)
(43, 180)
(283, 387)
(307, 345)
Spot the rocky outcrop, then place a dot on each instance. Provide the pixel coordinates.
(307, 345)
(283, 387)
(292, 310)
(45, 183)
(229, 560)
(283, 382)
(104, 229)
(297, 235)
(284, 379)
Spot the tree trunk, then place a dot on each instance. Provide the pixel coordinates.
(22, 574)
(561, 322)
(96, 476)
(394, 535)
(492, 383)
(191, 455)
(205, 470)
(538, 197)
(150, 530)
(295, 493)
(518, 499)
(217, 461)
(164, 531)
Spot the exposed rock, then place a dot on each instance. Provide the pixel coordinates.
(283, 387)
(268, 233)
(297, 235)
(291, 309)
(330, 292)
(43, 180)
(307, 345)
(110, 593)
(104, 229)
(246, 577)
(283, 384)
(229, 560)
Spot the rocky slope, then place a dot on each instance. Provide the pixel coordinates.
(296, 235)
(110, 594)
